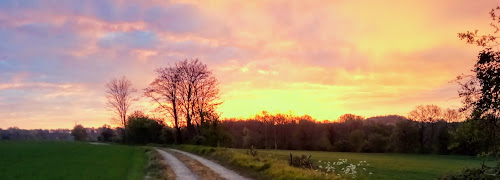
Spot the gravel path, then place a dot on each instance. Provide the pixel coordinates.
(180, 170)
(222, 171)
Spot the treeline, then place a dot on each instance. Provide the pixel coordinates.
(143, 129)
(14, 133)
(351, 133)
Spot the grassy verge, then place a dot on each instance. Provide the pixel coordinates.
(391, 165)
(157, 169)
(273, 164)
(70, 160)
(259, 167)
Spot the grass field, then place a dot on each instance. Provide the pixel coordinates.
(391, 166)
(70, 160)
(382, 165)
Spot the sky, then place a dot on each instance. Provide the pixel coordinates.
(321, 58)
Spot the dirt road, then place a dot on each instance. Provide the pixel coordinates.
(182, 172)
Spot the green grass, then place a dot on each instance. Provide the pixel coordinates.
(70, 160)
(260, 167)
(382, 165)
(389, 165)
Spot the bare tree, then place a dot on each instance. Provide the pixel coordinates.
(164, 91)
(453, 115)
(119, 97)
(187, 91)
(199, 92)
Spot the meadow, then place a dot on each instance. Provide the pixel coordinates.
(382, 165)
(390, 165)
(70, 161)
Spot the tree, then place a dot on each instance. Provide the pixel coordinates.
(265, 118)
(79, 133)
(352, 121)
(426, 115)
(405, 136)
(142, 129)
(481, 89)
(164, 90)
(453, 115)
(199, 92)
(106, 133)
(188, 92)
(119, 97)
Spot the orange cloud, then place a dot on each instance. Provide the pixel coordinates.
(323, 58)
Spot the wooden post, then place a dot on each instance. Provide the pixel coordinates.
(291, 162)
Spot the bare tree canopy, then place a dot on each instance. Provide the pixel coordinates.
(119, 97)
(188, 92)
(426, 114)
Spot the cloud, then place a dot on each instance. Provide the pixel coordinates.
(134, 39)
(323, 58)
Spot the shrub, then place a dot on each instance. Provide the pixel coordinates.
(141, 129)
(301, 161)
(79, 133)
(484, 173)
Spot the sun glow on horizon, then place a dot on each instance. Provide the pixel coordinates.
(321, 58)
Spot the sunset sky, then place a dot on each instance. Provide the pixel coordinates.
(322, 58)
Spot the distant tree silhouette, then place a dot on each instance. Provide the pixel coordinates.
(119, 97)
(186, 91)
(106, 133)
(426, 115)
(79, 133)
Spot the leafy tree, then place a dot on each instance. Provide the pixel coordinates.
(481, 92)
(141, 129)
(357, 139)
(481, 89)
(106, 133)
(79, 133)
(167, 135)
(426, 115)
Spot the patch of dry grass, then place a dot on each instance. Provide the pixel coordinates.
(201, 170)
(157, 168)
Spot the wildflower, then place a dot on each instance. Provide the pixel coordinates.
(370, 173)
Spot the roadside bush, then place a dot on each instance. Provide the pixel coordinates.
(301, 161)
(483, 173)
(141, 129)
(106, 134)
(167, 135)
